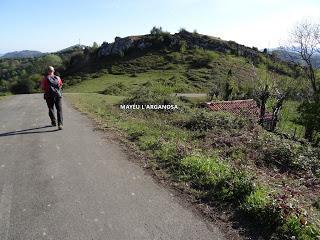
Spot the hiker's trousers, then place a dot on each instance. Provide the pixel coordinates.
(54, 102)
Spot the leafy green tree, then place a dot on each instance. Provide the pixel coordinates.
(35, 78)
(310, 118)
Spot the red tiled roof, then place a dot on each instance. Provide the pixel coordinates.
(241, 107)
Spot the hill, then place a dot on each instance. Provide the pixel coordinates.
(22, 54)
(294, 57)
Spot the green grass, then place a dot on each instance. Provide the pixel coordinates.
(94, 98)
(196, 71)
(287, 123)
(101, 83)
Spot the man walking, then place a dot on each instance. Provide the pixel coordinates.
(52, 87)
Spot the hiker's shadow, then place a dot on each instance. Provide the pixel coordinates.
(29, 131)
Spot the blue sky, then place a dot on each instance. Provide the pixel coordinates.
(53, 25)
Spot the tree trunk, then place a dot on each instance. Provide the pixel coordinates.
(263, 98)
(308, 133)
(276, 111)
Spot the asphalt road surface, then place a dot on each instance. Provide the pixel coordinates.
(76, 184)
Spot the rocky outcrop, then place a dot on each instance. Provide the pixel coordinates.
(121, 45)
(118, 47)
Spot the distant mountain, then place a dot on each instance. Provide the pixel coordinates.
(22, 54)
(294, 57)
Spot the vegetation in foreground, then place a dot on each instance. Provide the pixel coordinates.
(223, 159)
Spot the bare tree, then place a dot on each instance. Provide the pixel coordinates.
(304, 44)
(266, 88)
(280, 98)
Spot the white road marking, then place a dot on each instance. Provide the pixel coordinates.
(5, 209)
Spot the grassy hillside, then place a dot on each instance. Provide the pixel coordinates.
(193, 71)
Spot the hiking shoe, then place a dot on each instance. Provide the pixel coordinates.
(53, 124)
(60, 127)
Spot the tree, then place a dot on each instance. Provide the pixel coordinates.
(305, 43)
(156, 31)
(213, 92)
(274, 86)
(95, 45)
(310, 118)
(280, 98)
(228, 86)
(261, 98)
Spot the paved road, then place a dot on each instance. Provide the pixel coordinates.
(190, 95)
(75, 184)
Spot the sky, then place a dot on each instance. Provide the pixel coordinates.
(50, 26)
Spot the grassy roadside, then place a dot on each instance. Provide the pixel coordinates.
(222, 159)
(4, 95)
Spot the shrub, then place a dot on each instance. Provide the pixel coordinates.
(23, 87)
(169, 155)
(259, 206)
(136, 131)
(317, 204)
(175, 57)
(149, 142)
(287, 155)
(202, 58)
(293, 229)
(219, 179)
(134, 75)
(116, 89)
(145, 95)
(204, 120)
